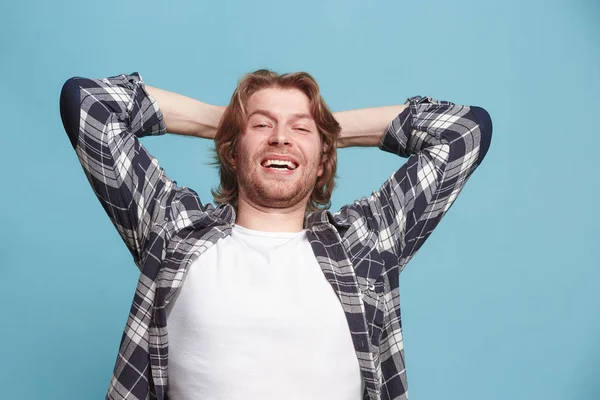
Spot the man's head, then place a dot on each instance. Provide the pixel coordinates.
(276, 143)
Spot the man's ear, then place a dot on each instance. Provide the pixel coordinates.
(232, 158)
(321, 166)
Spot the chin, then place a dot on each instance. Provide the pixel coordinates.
(268, 194)
(279, 198)
(276, 192)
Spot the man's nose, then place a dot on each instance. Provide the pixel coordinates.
(280, 136)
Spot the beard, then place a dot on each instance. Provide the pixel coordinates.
(272, 190)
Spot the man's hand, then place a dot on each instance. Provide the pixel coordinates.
(186, 116)
(365, 127)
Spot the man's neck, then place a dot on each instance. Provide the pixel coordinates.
(252, 216)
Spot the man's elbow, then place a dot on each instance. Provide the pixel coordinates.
(70, 106)
(484, 121)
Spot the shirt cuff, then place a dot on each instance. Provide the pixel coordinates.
(395, 140)
(143, 113)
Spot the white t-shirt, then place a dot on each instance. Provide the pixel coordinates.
(257, 319)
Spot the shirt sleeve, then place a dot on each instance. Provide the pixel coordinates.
(104, 119)
(444, 143)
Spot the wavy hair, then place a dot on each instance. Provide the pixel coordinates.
(233, 123)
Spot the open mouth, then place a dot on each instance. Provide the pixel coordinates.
(282, 165)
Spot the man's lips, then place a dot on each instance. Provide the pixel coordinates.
(279, 157)
(279, 171)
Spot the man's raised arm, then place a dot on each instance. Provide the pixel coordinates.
(186, 116)
(104, 119)
(366, 126)
(445, 143)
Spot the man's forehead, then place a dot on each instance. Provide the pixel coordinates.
(276, 102)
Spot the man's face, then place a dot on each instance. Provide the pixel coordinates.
(279, 154)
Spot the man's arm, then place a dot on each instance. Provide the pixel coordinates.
(186, 116)
(104, 119)
(444, 142)
(365, 127)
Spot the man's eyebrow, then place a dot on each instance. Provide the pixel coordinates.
(269, 114)
(266, 113)
(302, 116)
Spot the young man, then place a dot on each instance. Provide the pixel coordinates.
(267, 295)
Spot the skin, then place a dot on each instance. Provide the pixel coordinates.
(274, 202)
(279, 123)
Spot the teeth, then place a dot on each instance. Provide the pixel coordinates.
(288, 164)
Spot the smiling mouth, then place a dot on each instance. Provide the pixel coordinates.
(280, 165)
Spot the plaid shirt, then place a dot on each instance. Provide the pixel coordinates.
(361, 248)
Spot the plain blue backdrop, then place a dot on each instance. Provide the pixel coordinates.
(501, 302)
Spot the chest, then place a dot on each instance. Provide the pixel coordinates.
(241, 285)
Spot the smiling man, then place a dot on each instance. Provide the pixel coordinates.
(267, 295)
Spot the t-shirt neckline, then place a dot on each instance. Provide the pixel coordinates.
(253, 232)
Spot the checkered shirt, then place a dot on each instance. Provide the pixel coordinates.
(361, 248)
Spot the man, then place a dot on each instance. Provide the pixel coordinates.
(267, 295)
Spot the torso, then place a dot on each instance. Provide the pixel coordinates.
(256, 319)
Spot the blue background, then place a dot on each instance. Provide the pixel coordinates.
(501, 302)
